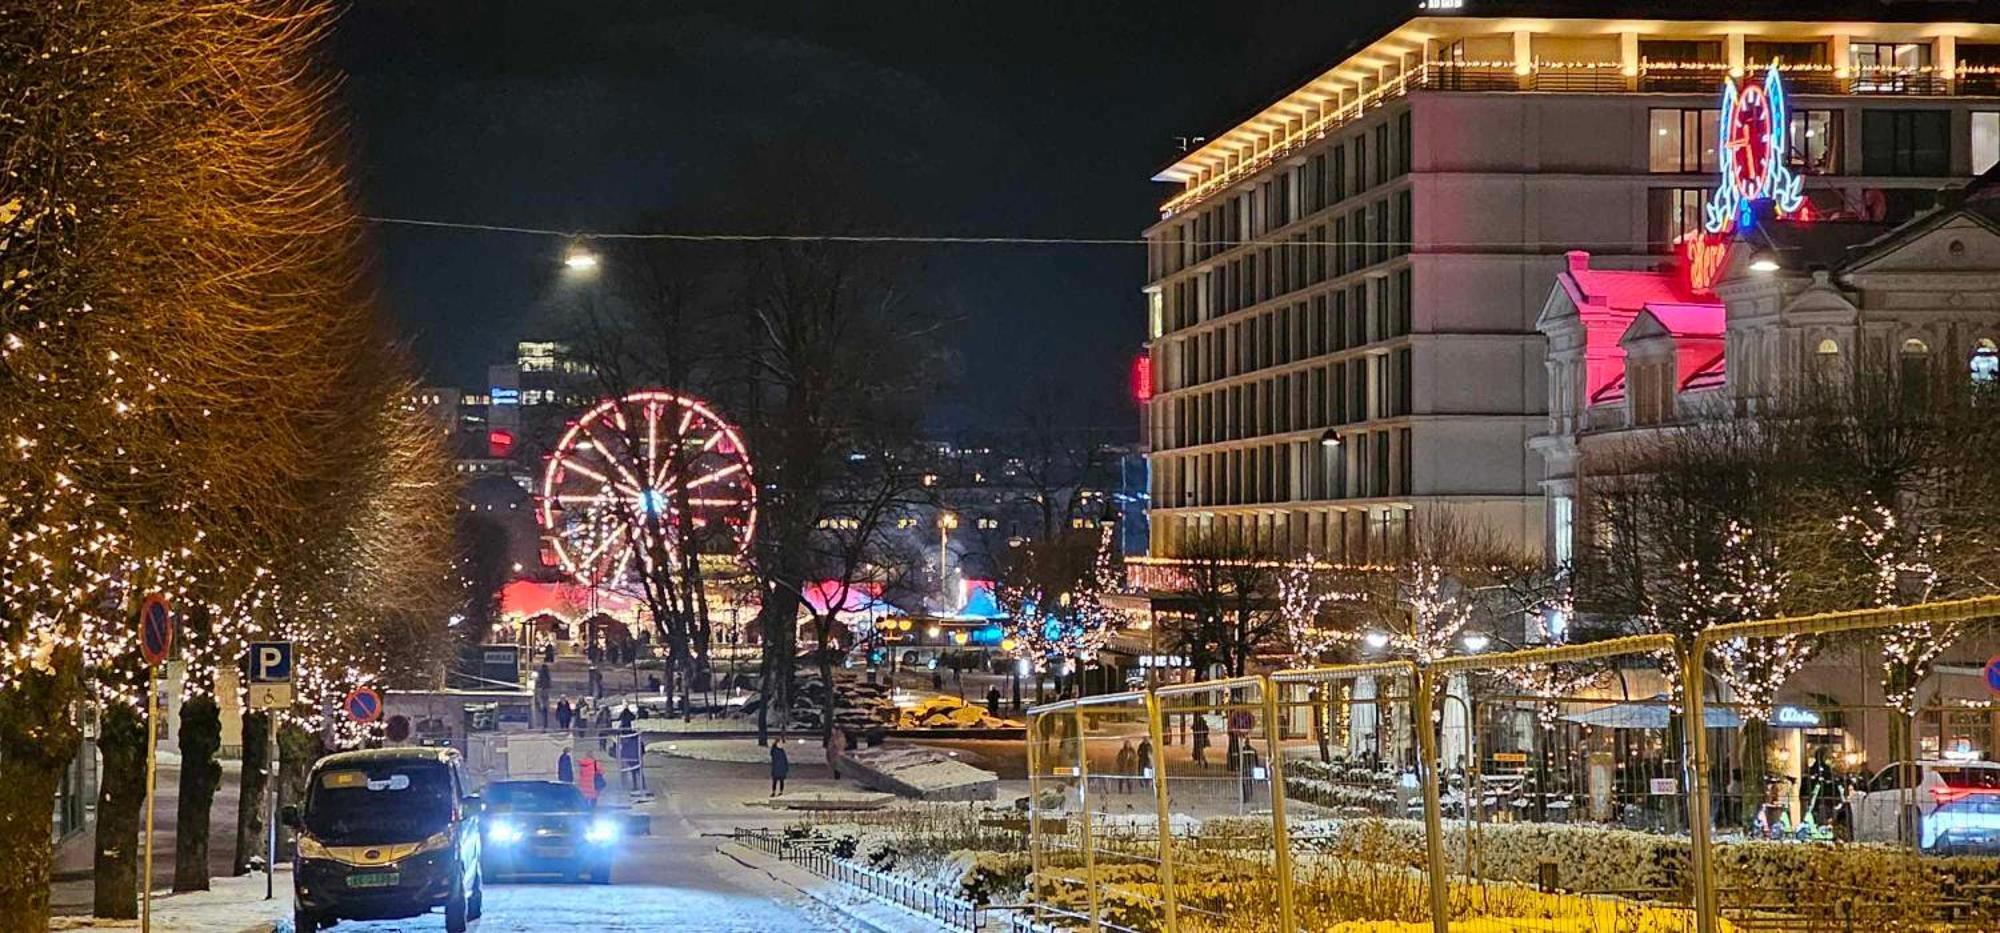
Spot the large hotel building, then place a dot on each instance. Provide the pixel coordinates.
(1343, 289)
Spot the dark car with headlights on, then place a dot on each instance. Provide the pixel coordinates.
(386, 834)
(546, 828)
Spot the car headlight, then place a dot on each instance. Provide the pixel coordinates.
(601, 831)
(310, 847)
(504, 833)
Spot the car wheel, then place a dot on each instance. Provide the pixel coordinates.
(454, 908)
(477, 904)
(304, 921)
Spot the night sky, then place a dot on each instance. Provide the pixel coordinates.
(970, 118)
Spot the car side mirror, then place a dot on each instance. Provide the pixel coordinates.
(473, 805)
(289, 816)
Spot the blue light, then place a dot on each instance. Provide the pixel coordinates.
(503, 833)
(600, 832)
(506, 396)
(652, 502)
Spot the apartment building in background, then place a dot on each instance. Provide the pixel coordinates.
(1343, 290)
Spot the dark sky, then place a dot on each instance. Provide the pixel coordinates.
(972, 118)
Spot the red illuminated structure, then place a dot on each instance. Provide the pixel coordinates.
(1754, 123)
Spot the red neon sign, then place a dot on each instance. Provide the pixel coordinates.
(1142, 378)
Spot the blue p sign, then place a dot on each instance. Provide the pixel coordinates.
(270, 662)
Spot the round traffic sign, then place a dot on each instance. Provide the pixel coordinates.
(156, 629)
(1993, 675)
(364, 704)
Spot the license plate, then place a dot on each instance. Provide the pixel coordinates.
(552, 852)
(380, 879)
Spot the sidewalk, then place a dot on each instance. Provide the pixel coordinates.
(232, 905)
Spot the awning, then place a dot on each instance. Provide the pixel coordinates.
(1654, 715)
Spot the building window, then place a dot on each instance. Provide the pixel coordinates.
(1672, 212)
(1812, 142)
(1878, 64)
(1905, 142)
(1404, 141)
(1405, 223)
(1787, 53)
(1562, 528)
(1985, 141)
(1682, 140)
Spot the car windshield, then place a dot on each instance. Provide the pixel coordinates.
(1982, 778)
(379, 802)
(534, 798)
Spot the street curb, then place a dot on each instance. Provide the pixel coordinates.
(751, 859)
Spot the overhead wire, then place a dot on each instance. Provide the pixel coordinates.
(994, 240)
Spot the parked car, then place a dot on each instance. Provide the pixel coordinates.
(1954, 806)
(386, 834)
(547, 828)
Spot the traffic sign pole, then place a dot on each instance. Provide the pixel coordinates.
(156, 640)
(152, 762)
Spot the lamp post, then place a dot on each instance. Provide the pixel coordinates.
(946, 522)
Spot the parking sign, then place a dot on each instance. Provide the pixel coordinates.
(270, 668)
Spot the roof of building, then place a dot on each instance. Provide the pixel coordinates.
(1619, 289)
(1689, 319)
(1301, 112)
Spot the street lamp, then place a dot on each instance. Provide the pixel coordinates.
(1476, 642)
(1376, 640)
(580, 259)
(1764, 261)
(1329, 438)
(946, 522)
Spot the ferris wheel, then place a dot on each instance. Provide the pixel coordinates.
(636, 465)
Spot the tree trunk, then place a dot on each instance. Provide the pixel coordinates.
(1755, 734)
(36, 744)
(121, 801)
(201, 774)
(250, 827)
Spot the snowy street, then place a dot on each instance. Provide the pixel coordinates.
(672, 879)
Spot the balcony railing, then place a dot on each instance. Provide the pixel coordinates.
(1592, 78)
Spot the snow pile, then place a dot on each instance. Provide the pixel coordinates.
(922, 773)
(948, 712)
(824, 800)
(739, 751)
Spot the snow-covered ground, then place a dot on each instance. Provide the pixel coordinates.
(231, 905)
(741, 751)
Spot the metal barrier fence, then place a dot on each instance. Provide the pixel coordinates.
(816, 856)
(1554, 789)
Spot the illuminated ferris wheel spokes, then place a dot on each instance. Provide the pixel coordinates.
(646, 473)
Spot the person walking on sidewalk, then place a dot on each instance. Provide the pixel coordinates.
(590, 778)
(566, 768)
(781, 766)
(1127, 764)
(563, 714)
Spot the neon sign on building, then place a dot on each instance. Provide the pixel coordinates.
(1754, 124)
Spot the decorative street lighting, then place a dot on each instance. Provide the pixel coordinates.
(1376, 640)
(1476, 642)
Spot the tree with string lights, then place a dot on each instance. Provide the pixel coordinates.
(1052, 591)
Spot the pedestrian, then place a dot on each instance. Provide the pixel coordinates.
(590, 778)
(937, 680)
(563, 714)
(1143, 757)
(565, 768)
(1127, 762)
(1200, 743)
(596, 682)
(781, 766)
(993, 701)
(549, 651)
(625, 718)
(603, 717)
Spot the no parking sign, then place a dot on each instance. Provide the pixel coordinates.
(364, 705)
(1993, 675)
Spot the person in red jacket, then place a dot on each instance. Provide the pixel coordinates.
(590, 778)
